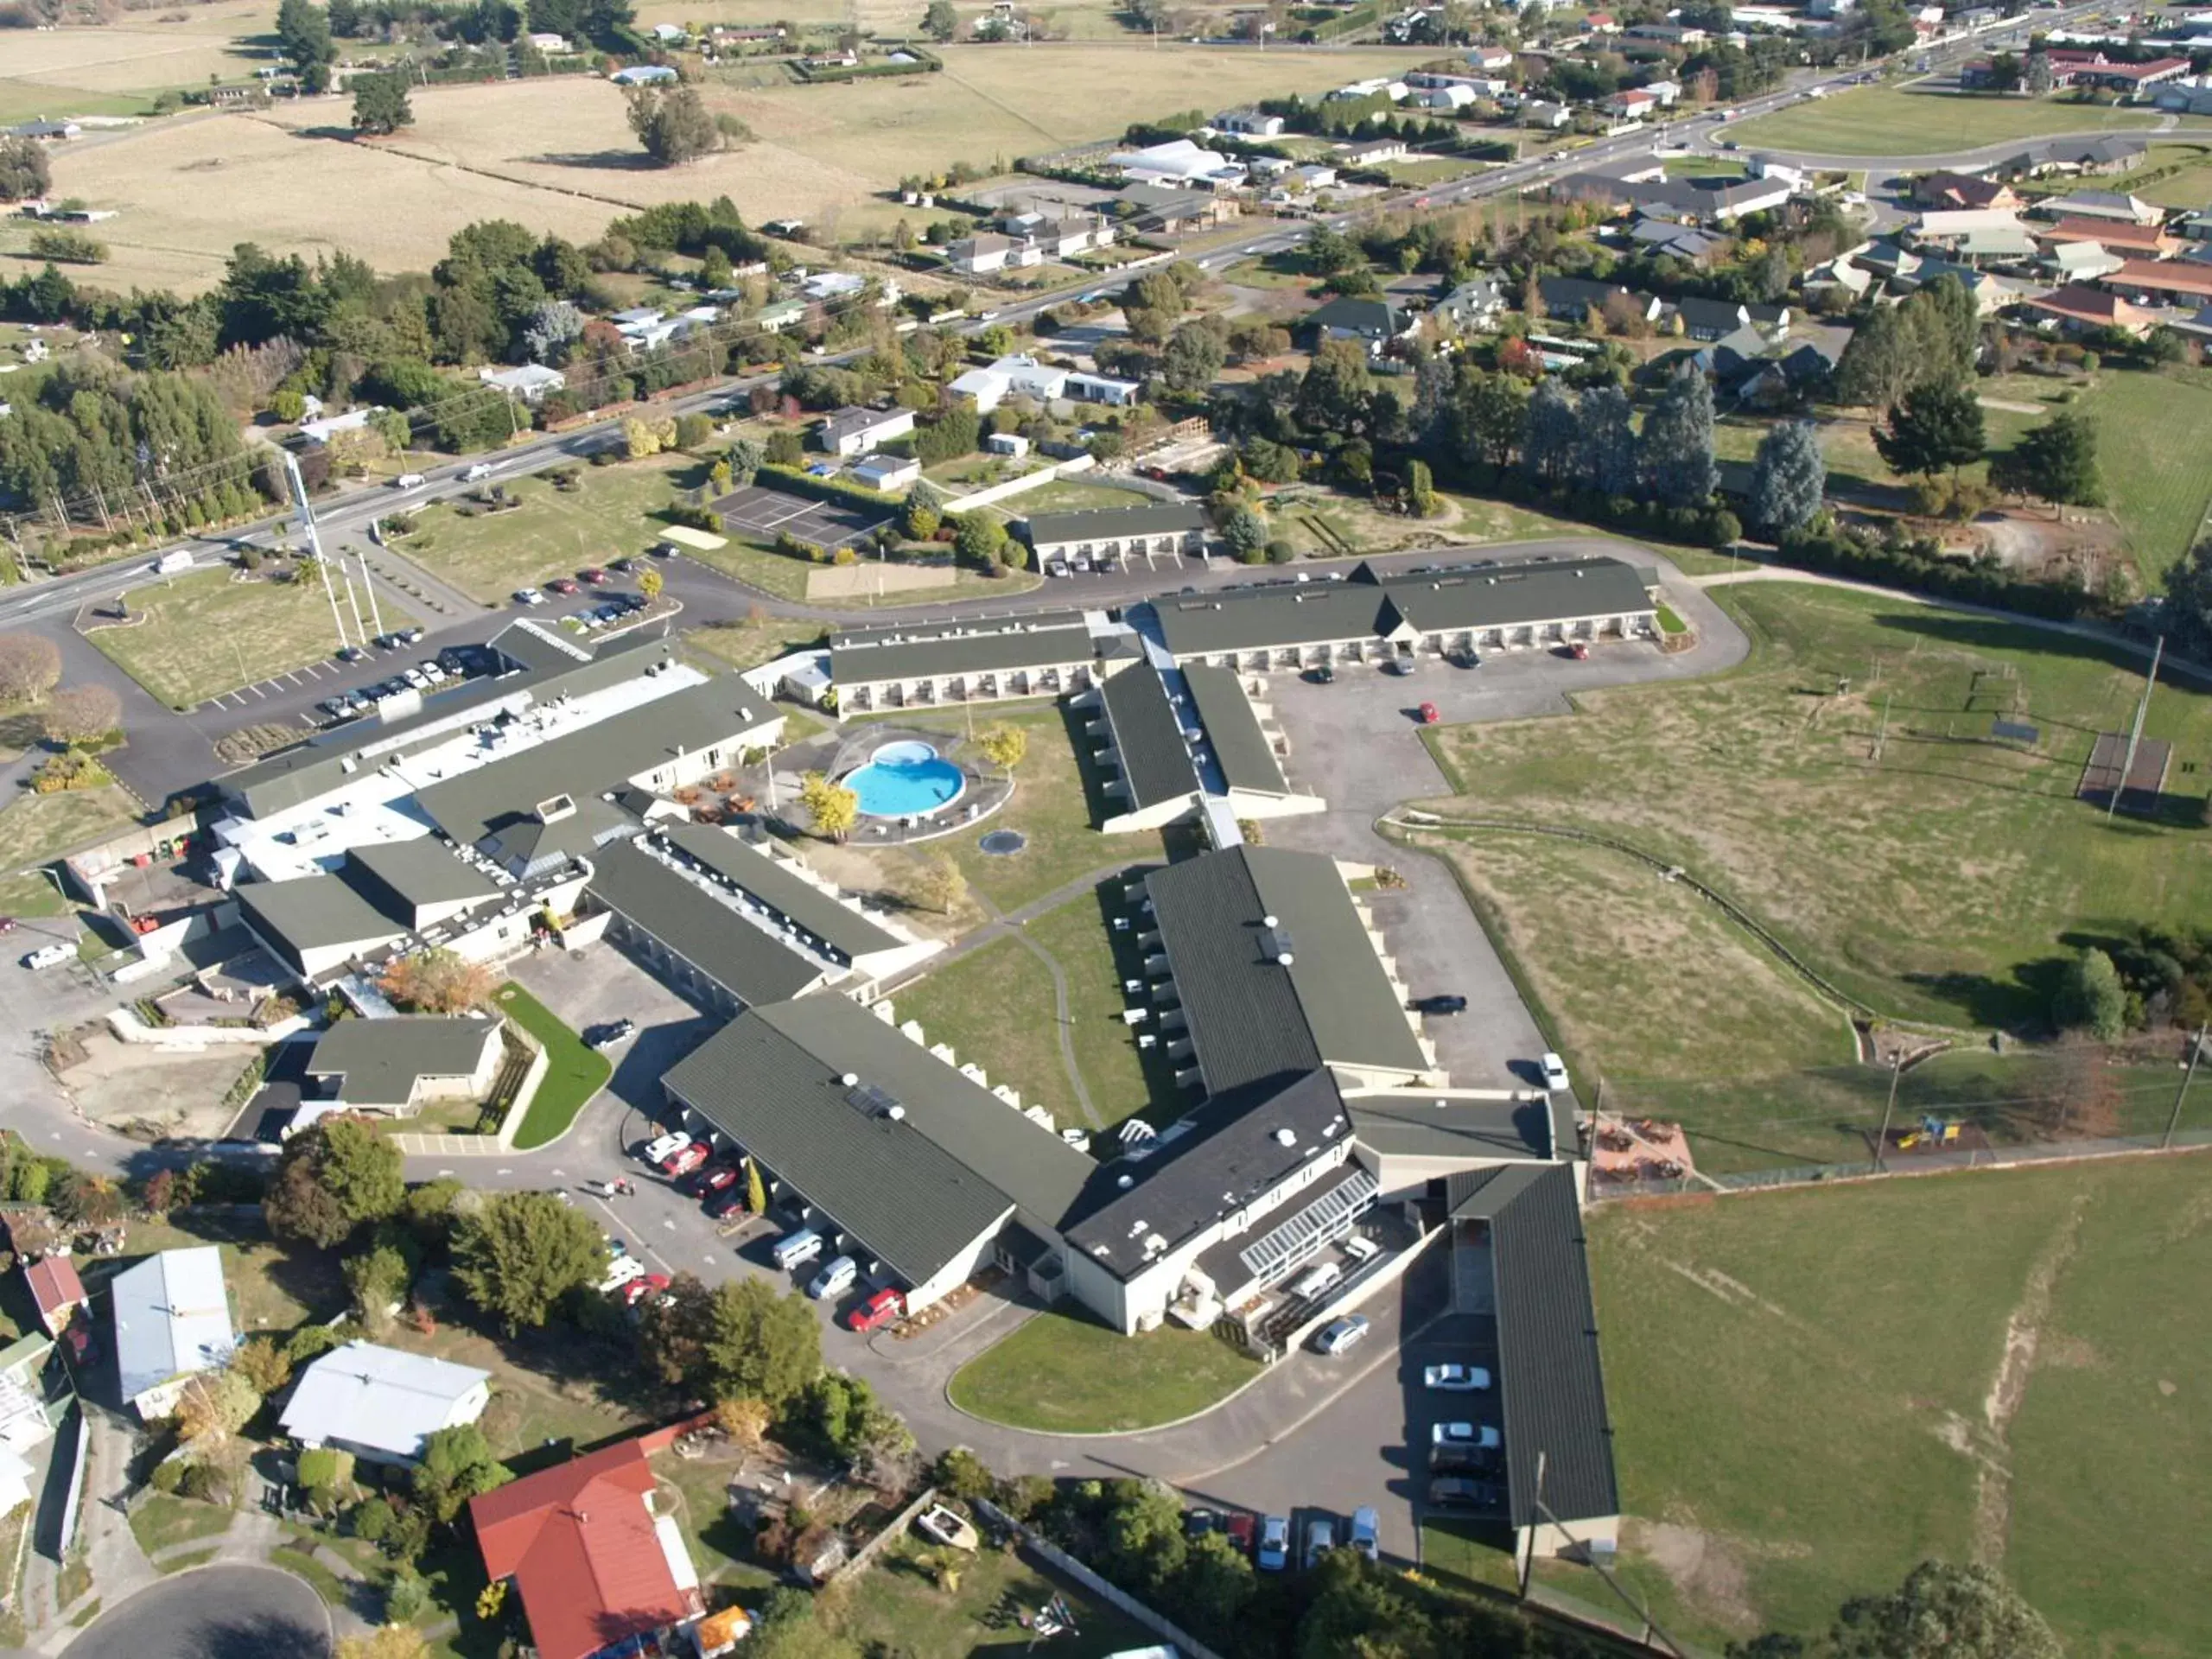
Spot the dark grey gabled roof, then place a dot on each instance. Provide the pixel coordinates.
(818, 915)
(315, 913)
(982, 652)
(1105, 523)
(1410, 1124)
(747, 960)
(1155, 757)
(853, 422)
(917, 1189)
(1253, 1018)
(379, 1062)
(591, 759)
(945, 627)
(1369, 319)
(405, 876)
(1239, 745)
(1551, 1384)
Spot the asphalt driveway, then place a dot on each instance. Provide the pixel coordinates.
(216, 1612)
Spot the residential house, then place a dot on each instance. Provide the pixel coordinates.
(1168, 211)
(1667, 91)
(2111, 206)
(1313, 175)
(779, 314)
(1374, 152)
(2074, 155)
(2075, 310)
(46, 132)
(1545, 116)
(2122, 237)
(1711, 319)
(1017, 375)
(1578, 299)
(593, 1564)
(987, 251)
(56, 1292)
(1945, 190)
(1682, 241)
(1098, 537)
(172, 1322)
(1803, 371)
(531, 382)
(1632, 105)
(1490, 59)
(26, 1420)
(381, 1404)
(1249, 124)
(643, 75)
(1665, 33)
(856, 431)
(2163, 281)
(1376, 324)
(1474, 306)
(887, 473)
(1458, 96)
(396, 1066)
(2079, 262)
(1012, 445)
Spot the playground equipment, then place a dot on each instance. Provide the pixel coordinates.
(1934, 1134)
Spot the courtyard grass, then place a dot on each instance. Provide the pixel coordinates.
(743, 645)
(199, 636)
(1901, 121)
(898, 1607)
(159, 1521)
(1321, 524)
(1938, 883)
(1063, 1373)
(1802, 1385)
(574, 1073)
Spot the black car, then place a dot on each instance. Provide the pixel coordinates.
(1454, 1492)
(616, 1031)
(1198, 1522)
(1324, 675)
(1467, 1459)
(1442, 1004)
(726, 1202)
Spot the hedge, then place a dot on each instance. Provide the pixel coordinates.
(925, 63)
(797, 481)
(1919, 567)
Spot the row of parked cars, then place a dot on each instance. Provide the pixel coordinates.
(1467, 1459)
(720, 1181)
(1269, 1539)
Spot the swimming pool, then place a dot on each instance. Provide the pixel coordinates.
(904, 779)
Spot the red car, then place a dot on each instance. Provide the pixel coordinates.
(1428, 715)
(1581, 652)
(638, 1289)
(562, 584)
(1241, 1529)
(878, 1311)
(716, 1180)
(685, 1159)
(593, 575)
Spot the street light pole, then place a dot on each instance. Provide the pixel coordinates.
(2182, 1094)
(1882, 1143)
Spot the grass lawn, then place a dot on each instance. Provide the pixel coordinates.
(749, 643)
(2190, 187)
(1938, 883)
(40, 827)
(1067, 495)
(1431, 170)
(273, 1288)
(1892, 121)
(303, 1563)
(574, 1073)
(160, 1519)
(1062, 1374)
(206, 634)
(1322, 525)
(1079, 936)
(1706, 167)
(1802, 1384)
(2154, 445)
(722, 1551)
(896, 1606)
(552, 533)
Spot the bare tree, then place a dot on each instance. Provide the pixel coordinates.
(78, 714)
(29, 666)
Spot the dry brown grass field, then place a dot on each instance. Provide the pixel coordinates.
(558, 155)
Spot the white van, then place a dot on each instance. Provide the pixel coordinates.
(170, 563)
(834, 1279)
(796, 1250)
(1315, 1280)
(408, 481)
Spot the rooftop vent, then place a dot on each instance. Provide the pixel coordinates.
(1285, 1136)
(1124, 1182)
(556, 808)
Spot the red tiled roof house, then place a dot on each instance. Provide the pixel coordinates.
(58, 1291)
(594, 1564)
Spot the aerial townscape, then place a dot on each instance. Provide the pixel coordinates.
(1244, 829)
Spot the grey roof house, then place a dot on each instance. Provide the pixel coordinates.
(394, 1065)
(1375, 323)
(382, 1403)
(172, 1322)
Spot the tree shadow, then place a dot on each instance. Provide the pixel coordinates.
(604, 161)
(2015, 1002)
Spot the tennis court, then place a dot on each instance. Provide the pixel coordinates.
(759, 514)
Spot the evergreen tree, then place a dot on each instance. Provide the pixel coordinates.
(1937, 426)
(1788, 479)
(380, 104)
(1548, 442)
(2055, 462)
(303, 28)
(1605, 456)
(1677, 456)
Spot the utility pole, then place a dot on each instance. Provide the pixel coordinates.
(1528, 1555)
(1882, 1143)
(315, 545)
(2135, 736)
(368, 586)
(2182, 1094)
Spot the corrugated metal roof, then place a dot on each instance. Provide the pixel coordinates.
(313, 913)
(1109, 524)
(1551, 1384)
(379, 1062)
(968, 653)
(905, 632)
(172, 1317)
(384, 1398)
(917, 1189)
(1156, 759)
(1240, 746)
(1411, 1124)
(749, 962)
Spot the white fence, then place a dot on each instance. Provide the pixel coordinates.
(986, 496)
(1114, 1595)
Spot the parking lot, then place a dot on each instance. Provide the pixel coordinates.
(761, 514)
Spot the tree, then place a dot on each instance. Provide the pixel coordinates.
(1677, 449)
(744, 457)
(521, 1252)
(326, 1472)
(31, 666)
(1333, 395)
(762, 1346)
(756, 1191)
(385, 1641)
(214, 1406)
(378, 1280)
(1605, 455)
(2187, 614)
(437, 981)
(303, 29)
(1788, 479)
(672, 123)
(1550, 435)
(1936, 426)
(90, 1200)
(82, 713)
(922, 513)
(333, 1177)
(979, 538)
(24, 170)
(673, 1330)
(1421, 498)
(2055, 462)
(649, 583)
(1943, 1611)
(938, 884)
(265, 1366)
(457, 1465)
(380, 105)
(834, 808)
(1490, 413)
(939, 21)
(1193, 357)
(2090, 997)
(2037, 75)
(1246, 532)
(1004, 747)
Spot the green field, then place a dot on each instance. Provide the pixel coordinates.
(1935, 884)
(2191, 187)
(574, 1073)
(204, 634)
(1062, 1373)
(553, 532)
(896, 1606)
(1893, 121)
(1802, 1384)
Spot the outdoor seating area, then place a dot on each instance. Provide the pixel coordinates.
(1627, 1150)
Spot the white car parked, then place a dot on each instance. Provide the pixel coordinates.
(49, 956)
(1457, 1379)
(659, 1151)
(624, 1269)
(1554, 1073)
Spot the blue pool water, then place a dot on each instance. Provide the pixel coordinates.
(904, 779)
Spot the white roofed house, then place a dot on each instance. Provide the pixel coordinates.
(382, 1403)
(1179, 162)
(529, 382)
(172, 1322)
